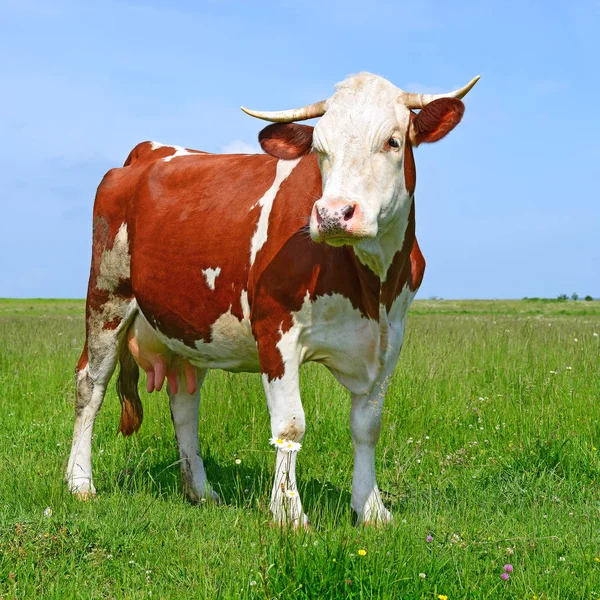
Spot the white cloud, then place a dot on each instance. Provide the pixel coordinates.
(240, 147)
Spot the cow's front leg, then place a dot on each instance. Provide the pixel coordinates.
(365, 424)
(287, 424)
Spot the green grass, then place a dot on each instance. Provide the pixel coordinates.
(482, 447)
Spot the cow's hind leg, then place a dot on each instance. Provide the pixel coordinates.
(105, 326)
(87, 404)
(184, 411)
(94, 370)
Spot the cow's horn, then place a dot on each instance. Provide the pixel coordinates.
(422, 100)
(294, 114)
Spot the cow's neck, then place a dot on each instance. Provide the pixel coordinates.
(378, 255)
(379, 293)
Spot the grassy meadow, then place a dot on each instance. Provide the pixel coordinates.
(490, 446)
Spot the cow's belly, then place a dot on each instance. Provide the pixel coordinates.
(328, 330)
(232, 347)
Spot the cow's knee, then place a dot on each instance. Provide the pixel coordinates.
(291, 428)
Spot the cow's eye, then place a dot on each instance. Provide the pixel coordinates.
(394, 143)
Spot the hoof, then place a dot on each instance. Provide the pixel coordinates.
(84, 496)
(208, 495)
(380, 520)
(82, 488)
(297, 524)
(377, 517)
(304, 525)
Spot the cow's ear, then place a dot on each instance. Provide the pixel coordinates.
(436, 120)
(286, 140)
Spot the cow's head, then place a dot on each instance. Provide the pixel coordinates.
(364, 145)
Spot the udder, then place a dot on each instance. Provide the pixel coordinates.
(157, 360)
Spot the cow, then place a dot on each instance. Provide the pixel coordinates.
(260, 263)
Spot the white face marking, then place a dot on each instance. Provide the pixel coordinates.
(284, 169)
(210, 275)
(358, 168)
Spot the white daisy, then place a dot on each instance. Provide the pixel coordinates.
(289, 446)
(277, 442)
(291, 493)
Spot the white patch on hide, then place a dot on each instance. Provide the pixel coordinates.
(210, 275)
(355, 348)
(284, 169)
(101, 341)
(115, 264)
(179, 151)
(245, 305)
(331, 331)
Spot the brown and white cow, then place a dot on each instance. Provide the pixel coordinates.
(261, 263)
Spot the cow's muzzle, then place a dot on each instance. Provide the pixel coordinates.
(335, 219)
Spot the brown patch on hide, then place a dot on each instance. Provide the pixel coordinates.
(199, 212)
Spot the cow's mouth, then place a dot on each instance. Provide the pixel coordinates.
(338, 238)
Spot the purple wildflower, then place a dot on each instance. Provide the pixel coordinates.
(429, 539)
(505, 576)
(508, 568)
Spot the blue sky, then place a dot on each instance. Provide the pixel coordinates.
(507, 205)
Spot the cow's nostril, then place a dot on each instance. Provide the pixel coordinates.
(348, 212)
(320, 214)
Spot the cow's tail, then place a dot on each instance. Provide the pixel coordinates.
(132, 412)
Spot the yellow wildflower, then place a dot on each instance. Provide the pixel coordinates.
(362, 552)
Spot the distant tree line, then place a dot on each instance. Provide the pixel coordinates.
(564, 298)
